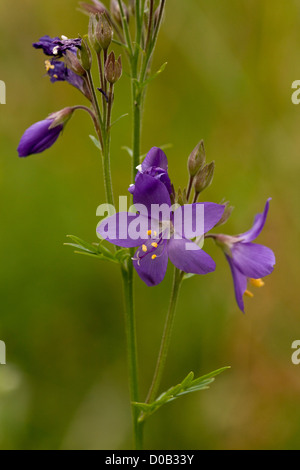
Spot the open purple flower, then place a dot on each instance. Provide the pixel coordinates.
(247, 260)
(43, 134)
(57, 47)
(156, 165)
(162, 237)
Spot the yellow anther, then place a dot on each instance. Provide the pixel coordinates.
(55, 76)
(257, 282)
(155, 234)
(155, 245)
(144, 248)
(249, 294)
(154, 256)
(48, 65)
(149, 232)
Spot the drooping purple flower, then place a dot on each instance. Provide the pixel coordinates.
(156, 165)
(58, 71)
(57, 47)
(170, 237)
(43, 134)
(247, 260)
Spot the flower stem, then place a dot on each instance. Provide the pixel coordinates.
(136, 130)
(166, 339)
(130, 327)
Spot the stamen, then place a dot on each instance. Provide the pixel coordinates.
(249, 294)
(155, 233)
(55, 50)
(257, 282)
(149, 232)
(48, 65)
(144, 248)
(154, 256)
(55, 76)
(155, 245)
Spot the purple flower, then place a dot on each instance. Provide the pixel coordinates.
(156, 165)
(57, 46)
(59, 72)
(43, 134)
(162, 238)
(247, 260)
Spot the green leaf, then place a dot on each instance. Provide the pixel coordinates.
(95, 141)
(128, 150)
(188, 276)
(98, 250)
(119, 118)
(141, 86)
(120, 43)
(188, 385)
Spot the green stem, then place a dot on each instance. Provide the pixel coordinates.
(136, 129)
(125, 28)
(166, 339)
(130, 327)
(102, 84)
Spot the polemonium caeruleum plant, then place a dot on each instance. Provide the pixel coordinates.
(163, 226)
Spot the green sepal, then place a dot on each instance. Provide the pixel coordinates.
(188, 385)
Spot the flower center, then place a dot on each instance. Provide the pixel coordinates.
(150, 250)
(48, 65)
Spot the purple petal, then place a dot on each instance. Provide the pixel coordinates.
(124, 229)
(240, 283)
(152, 271)
(258, 225)
(38, 138)
(190, 218)
(57, 46)
(149, 191)
(155, 157)
(46, 43)
(254, 261)
(188, 257)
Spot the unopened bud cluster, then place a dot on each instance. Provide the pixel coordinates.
(201, 173)
(84, 55)
(113, 68)
(100, 32)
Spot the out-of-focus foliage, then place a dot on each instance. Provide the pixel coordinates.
(228, 80)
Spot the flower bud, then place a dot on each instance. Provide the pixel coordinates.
(91, 34)
(103, 32)
(85, 55)
(181, 198)
(43, 134)
(115, 11)
(196, 159)
(113, 68)
(226, 214)
(73, 63)
(204, 177)
(98, 7)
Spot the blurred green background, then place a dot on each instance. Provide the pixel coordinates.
(228, 80)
